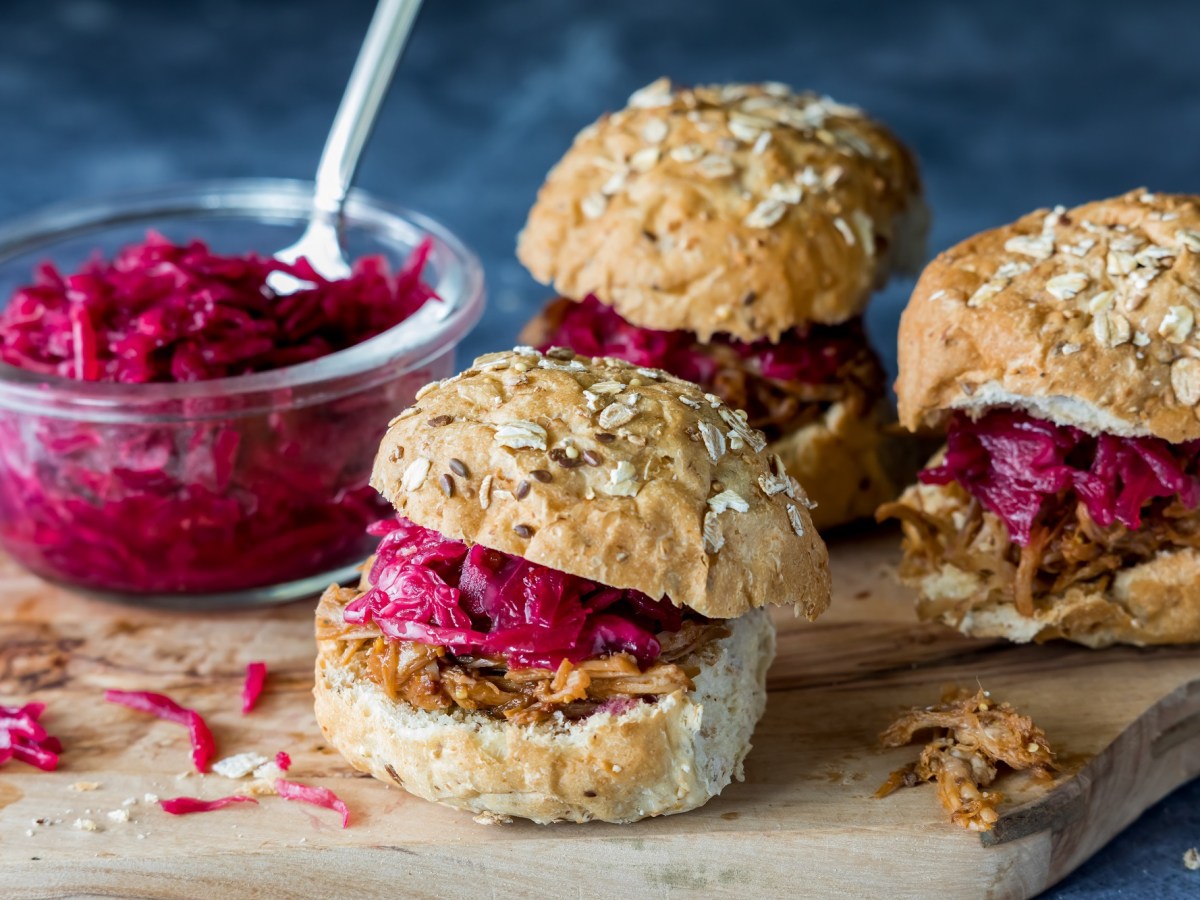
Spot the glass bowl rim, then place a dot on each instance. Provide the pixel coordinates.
(237, 198)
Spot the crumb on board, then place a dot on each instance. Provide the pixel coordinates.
(261, 788)
(1191, 858)
(119, 815)
(239, 766)
(85, 786)
(971, 736)
(491, 818)
(268, 771)
(86, 825)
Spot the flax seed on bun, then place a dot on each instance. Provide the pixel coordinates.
(1085, 317)
(627, 477)
(743, 209)
(647, 483)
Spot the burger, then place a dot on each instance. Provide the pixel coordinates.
(565, 620)
(1060, 353)
(732, 235)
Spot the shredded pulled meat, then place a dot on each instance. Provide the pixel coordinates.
(431, 678)
(1066, 546)
(782, 387)
(972, 736)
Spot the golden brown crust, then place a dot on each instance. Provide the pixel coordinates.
(681, 502)
(850, 463)
(1154, 602)
(654, 759)
(680, 214)
(1085, 316)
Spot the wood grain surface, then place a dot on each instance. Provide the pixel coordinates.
(803, 823)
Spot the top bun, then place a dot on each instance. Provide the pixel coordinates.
(744, 209)
(625, 476)
(1085, 317)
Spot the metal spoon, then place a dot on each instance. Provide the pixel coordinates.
(321, 243)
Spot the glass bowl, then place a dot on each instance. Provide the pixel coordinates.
(228, 492)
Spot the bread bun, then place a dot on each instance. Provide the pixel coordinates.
(851, 461)
(1085, 317)
(1153, 602)
(743, 209)
(629, 477)
(654, 759)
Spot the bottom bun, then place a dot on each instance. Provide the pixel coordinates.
(1153, 602)
(656, 759)
(849, 463)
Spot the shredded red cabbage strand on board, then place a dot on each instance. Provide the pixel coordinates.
(256, 677)
(311, 793)
(429, 588)
(813, 355)
(164, 312)
(204, 748)
(182, 806)
(1017, 466)
(23, 738)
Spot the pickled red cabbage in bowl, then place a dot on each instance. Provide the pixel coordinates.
(211, 492)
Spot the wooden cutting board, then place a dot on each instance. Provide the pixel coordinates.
(804, 821)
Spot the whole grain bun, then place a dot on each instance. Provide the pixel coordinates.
(655, 759)
(1153, 602)
(745, 209)
(630, 477)
(1085, 317)
(851, 462)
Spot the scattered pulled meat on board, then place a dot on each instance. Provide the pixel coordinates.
(1066, 546)
(972, 735)
(430, 678)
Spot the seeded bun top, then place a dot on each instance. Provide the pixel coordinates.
(629, 477)
(1083, 316)
(744, 209)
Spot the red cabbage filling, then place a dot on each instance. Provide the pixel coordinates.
(1019, 467)
(808, 355)
(224, 502)
(473, 600)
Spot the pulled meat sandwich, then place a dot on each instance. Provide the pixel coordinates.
(732, 235)
(1061, 355)
(565, 620)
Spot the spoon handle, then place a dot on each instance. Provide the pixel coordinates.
(368, 84)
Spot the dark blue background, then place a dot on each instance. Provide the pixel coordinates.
(1010, 106)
